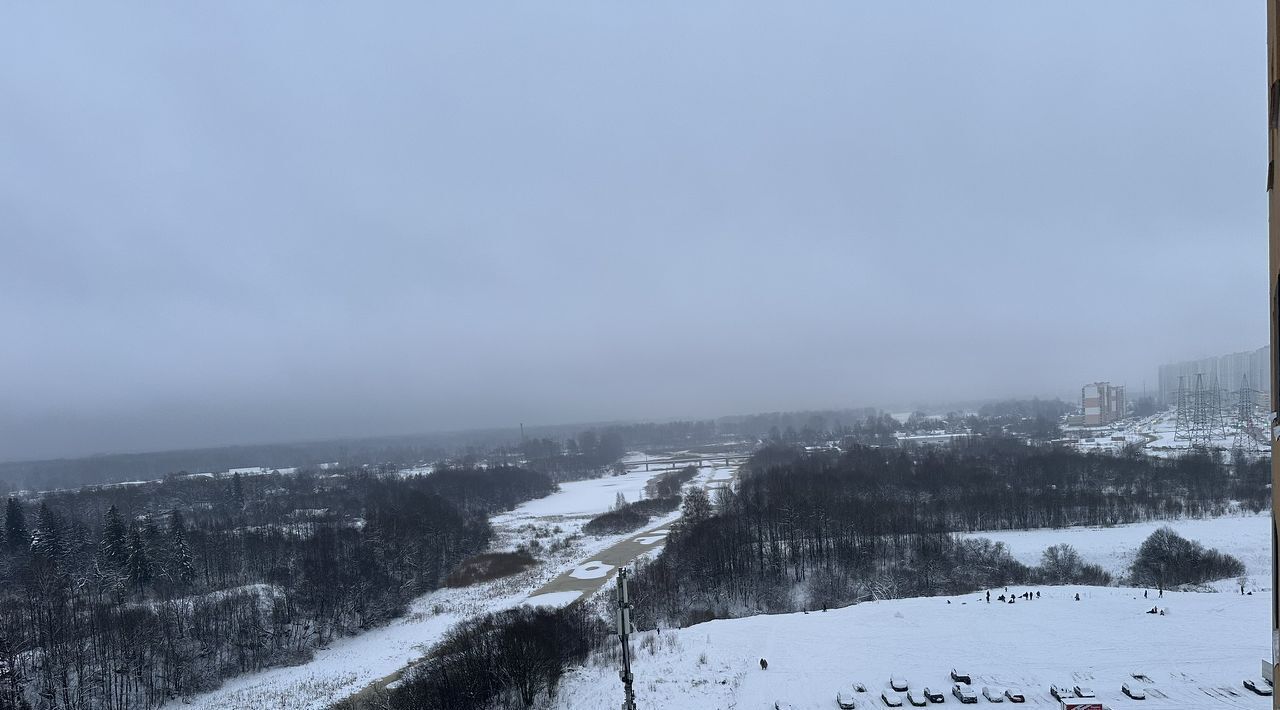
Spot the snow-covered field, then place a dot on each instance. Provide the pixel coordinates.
(1247, 537)
(1195, 656)
(582, 498)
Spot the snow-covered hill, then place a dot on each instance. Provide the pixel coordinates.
(1196, 655)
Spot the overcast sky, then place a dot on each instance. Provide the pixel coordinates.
(231, 222)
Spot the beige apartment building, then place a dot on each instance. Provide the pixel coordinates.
(1101, 403)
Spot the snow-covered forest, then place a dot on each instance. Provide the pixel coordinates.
(126, 597)
(816, 529)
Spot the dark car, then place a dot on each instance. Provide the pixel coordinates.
(934, 696)
(1259, 687)
(959, 677)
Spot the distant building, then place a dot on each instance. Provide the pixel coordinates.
(1226, 372)
(1102, 403)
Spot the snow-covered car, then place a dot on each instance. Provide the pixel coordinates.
(891, 698)
(1059, 692)
(1133, 691)
(916, 698)
(1258, 686)
(934, 696)
(779, 705)
(964, 693)
(1083, 691)
(898, 683)
(859, 687)
(959, 677)
(1014, 695)
(845, 700)
(993, 695)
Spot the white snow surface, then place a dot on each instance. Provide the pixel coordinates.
(597, 495)
(1196, 655)
(594, 569)
(1246, 537)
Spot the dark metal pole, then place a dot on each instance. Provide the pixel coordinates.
(624, 630)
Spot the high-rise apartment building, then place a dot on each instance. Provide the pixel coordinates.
(1102, 403)
(1226, 372)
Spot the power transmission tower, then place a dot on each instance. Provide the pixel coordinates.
(1203, 421)
(1182, 419)
(1248, 429)
(1220, 401)
(624, 631)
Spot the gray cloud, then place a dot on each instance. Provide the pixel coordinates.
(226, 223)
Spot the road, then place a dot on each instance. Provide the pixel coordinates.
(588, 577)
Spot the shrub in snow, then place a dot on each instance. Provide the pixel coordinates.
(1061, 564)
(1167, 559)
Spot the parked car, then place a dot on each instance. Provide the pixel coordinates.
(993, 695)
(1059, 692)
(916, 698)
(1258, 686)
(964, 693)
(898, 683)
(891, 698)
(859, 687)
(1014, 695)
(1133, 691)
(959, 677)
(845, 700)
(1084, 692)
(779, 705)
(934, 696)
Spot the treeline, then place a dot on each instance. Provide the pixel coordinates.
(826, 528)
(129, 596)
(590, 454)
(630, 516)
(669, 484)
(509, 659)
(1034, 418)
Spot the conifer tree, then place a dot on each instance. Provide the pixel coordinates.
(15, 526)
(114, 549)
(181, 571)
(139, 564)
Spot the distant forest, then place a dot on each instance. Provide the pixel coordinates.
(564, 452)
(805, 530)
(129, 596)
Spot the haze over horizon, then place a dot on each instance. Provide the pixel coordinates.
(240, 223)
